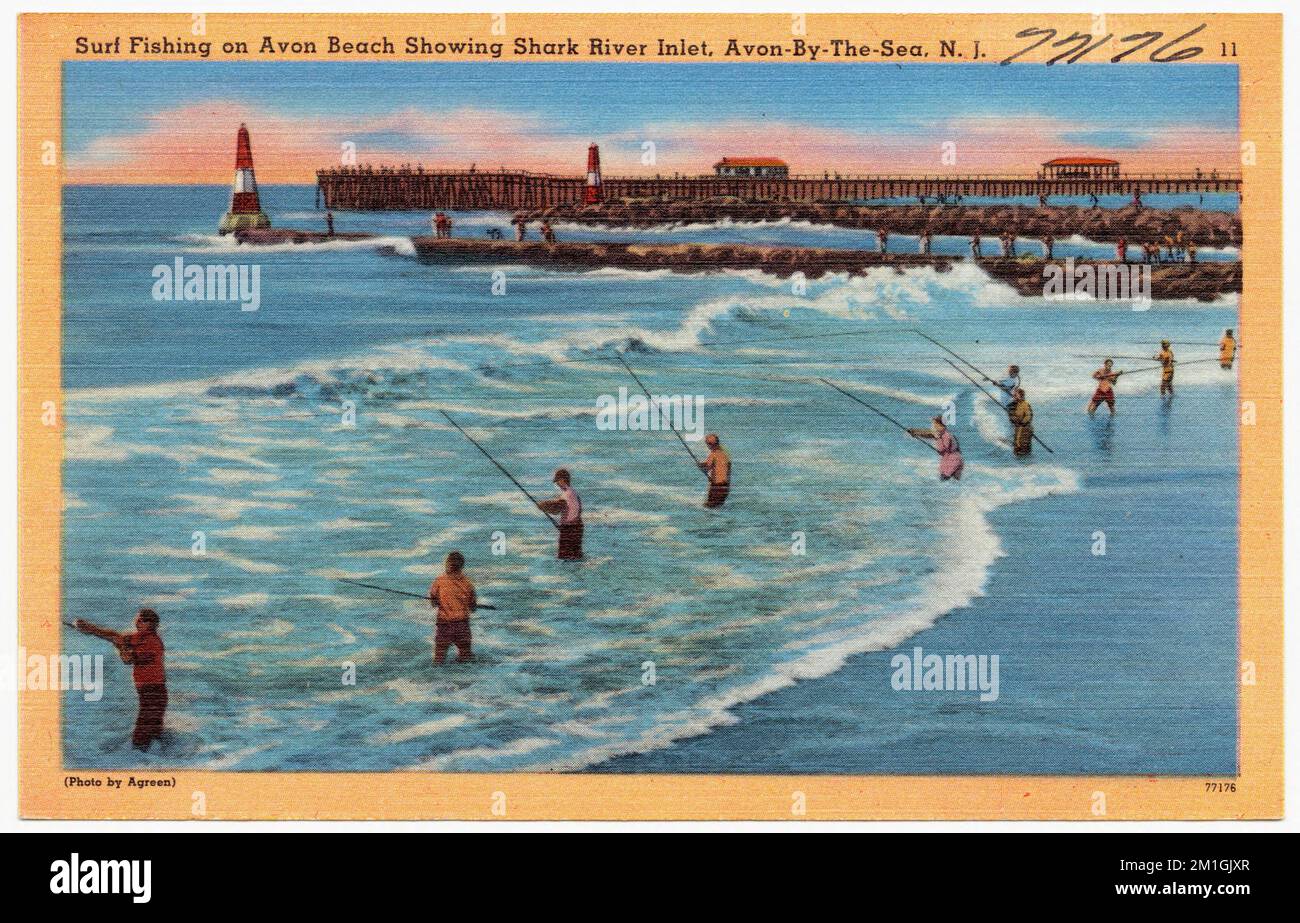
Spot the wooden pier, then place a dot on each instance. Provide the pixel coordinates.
(394, 189)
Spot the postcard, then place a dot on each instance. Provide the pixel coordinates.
(543, 416)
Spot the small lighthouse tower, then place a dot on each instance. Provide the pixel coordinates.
(245, 209)
(592, 194)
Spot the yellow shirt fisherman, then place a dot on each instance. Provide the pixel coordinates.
(1022, 418)
(1166, 359)
(1227, 350)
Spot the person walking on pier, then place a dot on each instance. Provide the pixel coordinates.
(1166, 359)
(568, 505)
(1227, 349)
(1022, 418)
(1106, 376)
(718, 467)
(453, 595)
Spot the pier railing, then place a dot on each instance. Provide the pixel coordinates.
(414, 188)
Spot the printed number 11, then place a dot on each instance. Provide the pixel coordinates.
(1227, 49)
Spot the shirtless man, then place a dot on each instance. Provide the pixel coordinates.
(718, 468)
(1166, 359)
(1106, 377)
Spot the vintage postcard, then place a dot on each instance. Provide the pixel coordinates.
(542, 416)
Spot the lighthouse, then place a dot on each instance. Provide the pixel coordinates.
(591, 195)
(245, 209)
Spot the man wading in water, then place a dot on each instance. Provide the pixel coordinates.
(950, 460)
(452, 594)
(569, 507)
(1106, 377)
(143, 650)
(718, 468)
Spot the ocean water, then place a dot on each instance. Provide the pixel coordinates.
(190, 420)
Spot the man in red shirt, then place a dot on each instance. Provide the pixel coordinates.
(143, 650)
(452, 594)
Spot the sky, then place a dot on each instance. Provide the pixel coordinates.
(175, 122)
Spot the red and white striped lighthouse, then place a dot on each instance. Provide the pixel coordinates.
(245, 208)
(591, 195)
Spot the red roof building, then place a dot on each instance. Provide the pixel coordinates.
(1081, 168)
(752, 166)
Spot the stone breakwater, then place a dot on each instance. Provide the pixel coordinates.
(1134, 225)
(1169, 281)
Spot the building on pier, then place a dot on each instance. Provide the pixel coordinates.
(767, 167)
(1081, 168)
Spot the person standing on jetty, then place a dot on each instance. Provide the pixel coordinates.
(143, 650)
(1022, 418)
(568, 505)
(975, 246)
(452, 594)
(924, 246)
(1106, 377)
(1227, 349)
(1166, 359)
(1191, 251)
(718, 467)
(882, 239)
(1121, 250)
(945, 443)
(521, 229)
(548, 233)
(1048, 242)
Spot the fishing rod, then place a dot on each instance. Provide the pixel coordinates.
(680, 437)
(501, 468)
(964, 361)
(905, 429)
(375, 586)
(1005, 409)
(1152, 368)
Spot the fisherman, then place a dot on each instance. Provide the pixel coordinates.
(548, 234)
(1022, 418)
(1121, 250)
(1137, 198)
(437, 224)
(950, 460)
(718, 468)
(925, 242)
(329, 224)
(569, 507)
(446, 226)
(143, 650)
(521, 229)
(1106, 377)
(1096, 203)
(1042, 200)
(1009, 385)
(1166, 359)
(975, 246)
(882, 239)
(1191, 251)
(1048, 242)
(1009, 245)
(452, 595)
(1227, 349)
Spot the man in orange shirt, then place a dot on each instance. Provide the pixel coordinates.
(143, 650)
(453, 596)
